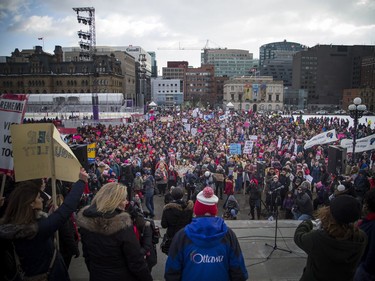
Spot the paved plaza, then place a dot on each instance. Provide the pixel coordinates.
(264, 262)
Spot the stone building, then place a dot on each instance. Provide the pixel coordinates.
(254, 93)
(36, 72)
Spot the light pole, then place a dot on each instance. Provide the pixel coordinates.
(356, 110)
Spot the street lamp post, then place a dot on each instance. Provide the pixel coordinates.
(356, 110)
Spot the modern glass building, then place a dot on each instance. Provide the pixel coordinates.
(276, 60)
(229, 62)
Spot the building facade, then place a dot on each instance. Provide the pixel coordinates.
(36, 72)
(200, 85)
(229, 62)
(276, 60)
(167, 92)
(324, 71)
(254, 93)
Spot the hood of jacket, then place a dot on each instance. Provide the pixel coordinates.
(180, 205)
(18, 231)
(103, 223)
(206, 231)
(346, 250)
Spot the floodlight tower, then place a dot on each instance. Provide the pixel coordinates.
(86, 16)
(88, 38)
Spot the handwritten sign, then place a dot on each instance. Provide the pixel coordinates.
(12, 110)
(39, 151)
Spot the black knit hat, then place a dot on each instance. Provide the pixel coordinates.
(177, 193)
(345, 209)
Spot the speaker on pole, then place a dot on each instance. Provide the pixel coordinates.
(337, 159)
(80, 151)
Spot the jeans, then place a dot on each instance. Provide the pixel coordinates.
(301, 217)
(149, 201)
(233, 213)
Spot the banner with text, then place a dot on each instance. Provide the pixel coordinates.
(363, 144)
(33, 158)
(12, 110)
(323, 138)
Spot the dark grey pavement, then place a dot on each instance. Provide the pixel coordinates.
(262, 261)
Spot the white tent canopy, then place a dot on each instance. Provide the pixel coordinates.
(152, 104)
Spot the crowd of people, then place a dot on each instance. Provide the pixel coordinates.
(188, 158)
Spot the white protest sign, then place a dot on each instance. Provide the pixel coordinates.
(12, 110)
(149, 132)
(248, 147)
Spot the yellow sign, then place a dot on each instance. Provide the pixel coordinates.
(91, 151)
(32, 153)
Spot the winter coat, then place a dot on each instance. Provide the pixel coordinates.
(229, 188)
(368, 258)
(304, 203)
(110, 246)
(127, 175)
(232, 203)
(35, 248)
(161, 176)
(176, 215)
(329, 258)
(206, 249)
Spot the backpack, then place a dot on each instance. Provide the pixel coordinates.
(155, 231)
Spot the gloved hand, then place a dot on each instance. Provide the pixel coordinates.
(317, 224)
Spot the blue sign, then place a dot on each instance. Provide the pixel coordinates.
(235, 148)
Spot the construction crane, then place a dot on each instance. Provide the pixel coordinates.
(206, 46)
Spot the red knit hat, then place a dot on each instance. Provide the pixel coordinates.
(206, 202)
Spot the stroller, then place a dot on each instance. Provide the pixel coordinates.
(231, 208)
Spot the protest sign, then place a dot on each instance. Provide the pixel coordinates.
(323, 138)
(235, 148)
(33, 145)
(91, 152)
(362, 144)
(12, 110)
(248, 147)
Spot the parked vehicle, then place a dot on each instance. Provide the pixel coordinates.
(322, 112)
(340, 112)
(298, 111)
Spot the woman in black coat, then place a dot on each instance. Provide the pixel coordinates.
(109, 243)
(32, 231)
(177, 213)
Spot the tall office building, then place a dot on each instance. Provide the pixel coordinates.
(229, 62)
(200, 85)
(276, 60)
(324, 71)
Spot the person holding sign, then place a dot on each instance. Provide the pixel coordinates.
(28, 228)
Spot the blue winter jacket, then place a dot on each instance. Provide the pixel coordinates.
(206, 249)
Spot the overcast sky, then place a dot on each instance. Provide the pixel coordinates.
(174, 24)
